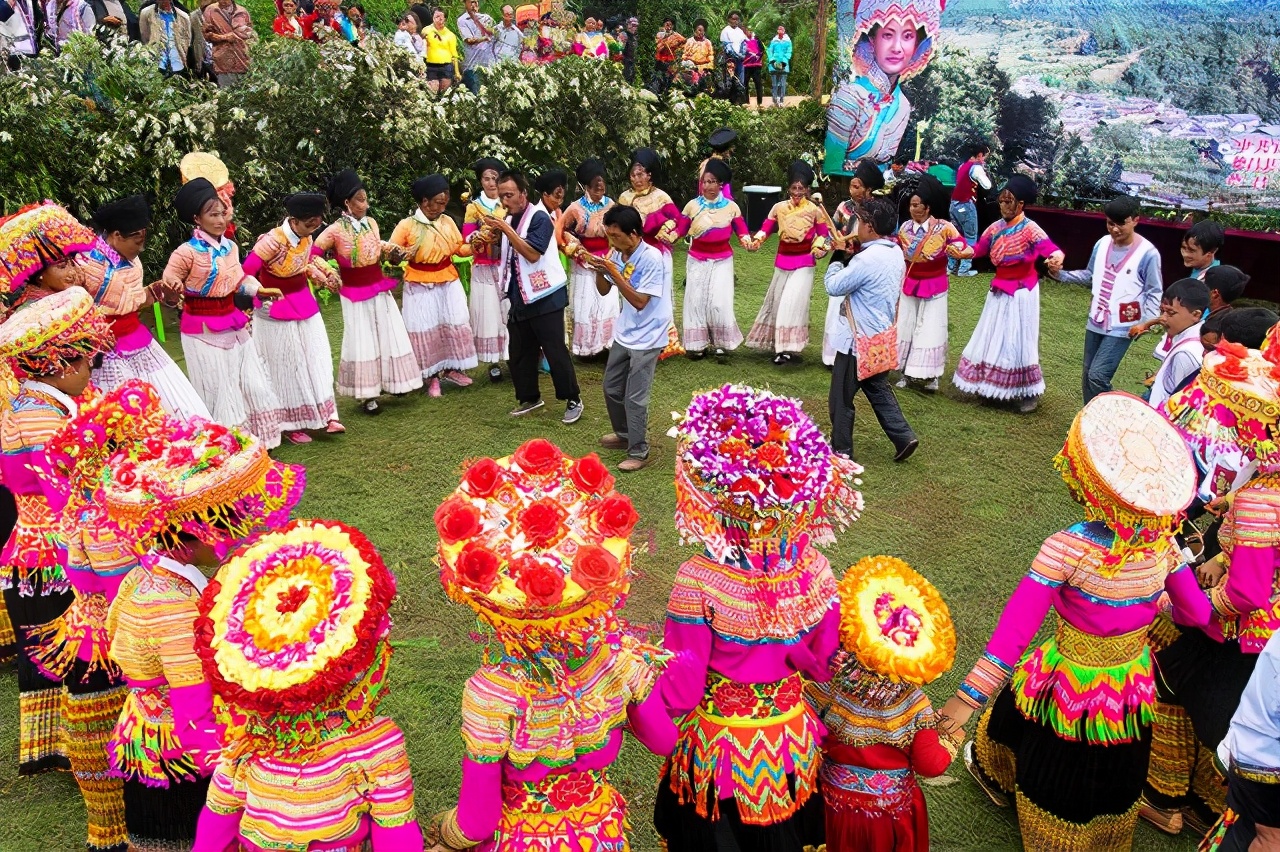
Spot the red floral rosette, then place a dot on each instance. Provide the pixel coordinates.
(294, 619)
(537, 544)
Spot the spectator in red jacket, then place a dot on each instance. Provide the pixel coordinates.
(290, 24)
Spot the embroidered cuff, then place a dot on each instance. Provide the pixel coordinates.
(1221, 602)
(988, 677)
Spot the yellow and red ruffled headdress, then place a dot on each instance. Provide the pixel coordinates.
(1233, 404)
(752, 466)
(44, 337)
(292, 635)
(1129, 468)
(35, 237)
(537, 544)
(895, 622)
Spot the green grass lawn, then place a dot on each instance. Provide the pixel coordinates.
(969, 510)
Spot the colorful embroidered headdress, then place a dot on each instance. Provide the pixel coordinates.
(871, 15)
(292, 634)
(536, 543)
(1129, 468)
(751, 467)
(1232, 405)
(35, 237)
(894, 621)
(44, 337)
(200, 478)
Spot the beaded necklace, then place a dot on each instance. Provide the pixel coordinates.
(704, 204)
(594, 207)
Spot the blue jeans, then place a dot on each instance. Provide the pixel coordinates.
(779, 86)
(965, 216)
(471, 79)
(1102, 356)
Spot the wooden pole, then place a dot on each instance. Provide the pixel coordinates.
(820, 49)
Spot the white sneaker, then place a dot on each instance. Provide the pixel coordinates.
(572, 413)
(931, 386)
(901, 383)
(1028, 405)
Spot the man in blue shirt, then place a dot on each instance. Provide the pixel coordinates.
(870, 285)
(639, 335)
(536, 325)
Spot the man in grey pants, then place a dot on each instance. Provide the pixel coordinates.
(639, 335)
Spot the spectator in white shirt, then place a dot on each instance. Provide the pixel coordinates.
(407, 35)
(20, 22)
(733, 40)
(507, 37)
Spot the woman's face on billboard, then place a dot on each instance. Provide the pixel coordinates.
(894, 44)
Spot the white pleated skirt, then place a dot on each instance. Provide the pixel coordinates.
(376, 357)
(593, 315)
(922, 336)
(783, 322)
(234, 384)
(708, 305)
(1002, 359)
(488, 313)
(154, 366)
(299, 360)
(439, 326)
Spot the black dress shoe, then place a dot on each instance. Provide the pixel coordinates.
(906, 451)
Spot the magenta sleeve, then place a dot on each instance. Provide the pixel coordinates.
(1250, 577)
(252, 264)
(685, 680)
(652, 726)
(480, 799)
(983, 246)
(1046, 247)
(316, 251)
(53, 486)
(399, 838)
(1021, 618)
(1191, 605)
(822, 230)
(739, 226)
(769, 226)
(217, 832)
(469, 228)
(812, 657)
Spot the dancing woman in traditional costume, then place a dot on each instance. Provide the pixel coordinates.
(659, 215)
(488, 288)
(537, 544)
(782, 326)
(1230, 410)
(113, 275)
(377, 356)
(154, 500)
(289, 333)
(1068, 734)
(225, 368)
(309, 764)
(1002, 359)
(896, 635)
(711, 221)
(51, 344)
(581, 229)
(435, 307)
(755, 614)
(929, 241)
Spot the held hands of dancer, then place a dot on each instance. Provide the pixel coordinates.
(953, 717)
(820, 248)
(393, 253)
(266, 294)
(1136, 331)
(1211, 572)
(1054, 262)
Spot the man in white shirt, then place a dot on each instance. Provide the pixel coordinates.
(1182, 309)
(733, 41)
(507, 37)
(1251, 753)
(639, 335)
(476, 31)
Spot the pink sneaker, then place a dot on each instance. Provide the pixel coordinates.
(299, 438)
(433, 389)
(456, 378)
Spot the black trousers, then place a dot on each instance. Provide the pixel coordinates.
(753, 76)
(1253, 804)
(844, 387)
(541, 334)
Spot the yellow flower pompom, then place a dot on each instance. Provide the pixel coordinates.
(894, 621)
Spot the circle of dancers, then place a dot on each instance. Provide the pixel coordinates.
(210, 669)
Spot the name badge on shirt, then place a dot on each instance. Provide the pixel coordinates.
(538, 281)
(1130, 312)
